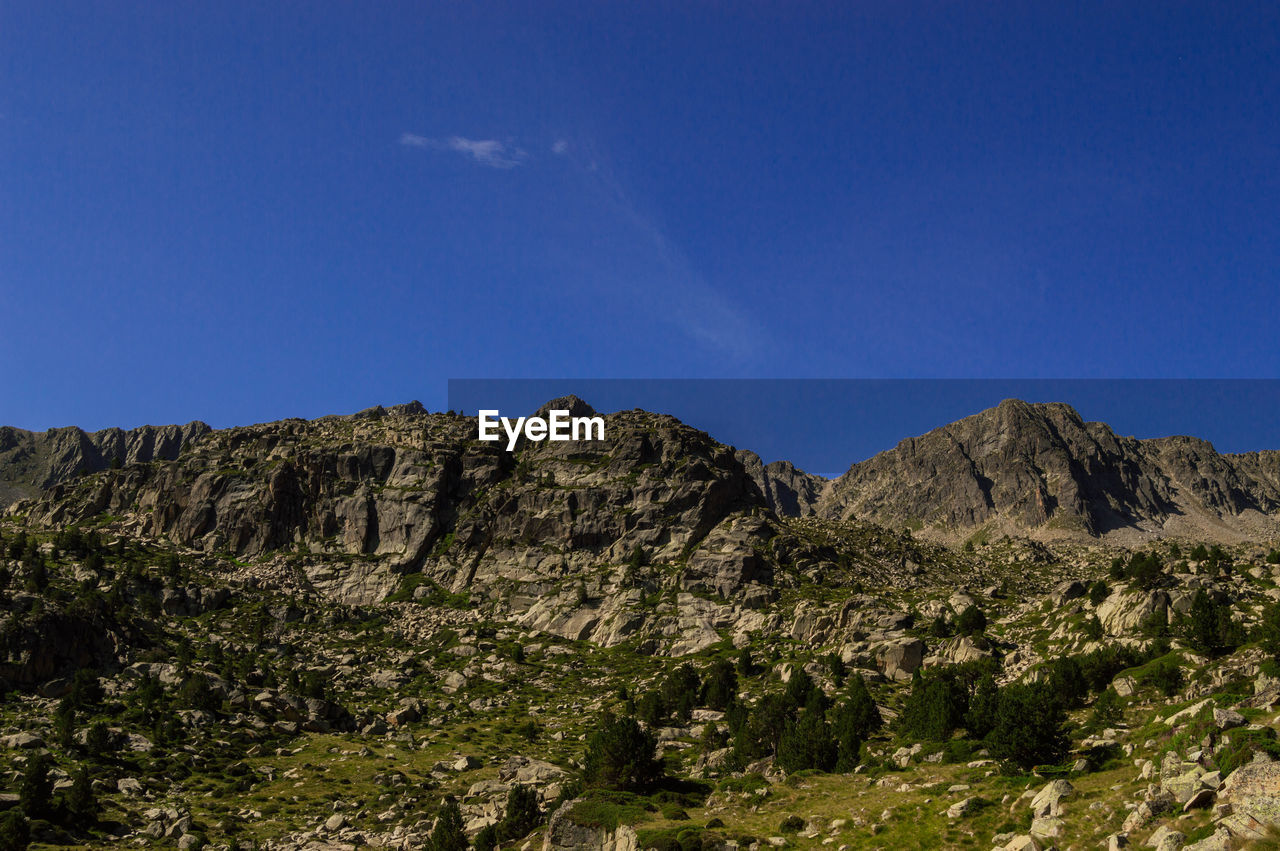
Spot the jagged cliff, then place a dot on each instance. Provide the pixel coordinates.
(356, 502)
(32, 461)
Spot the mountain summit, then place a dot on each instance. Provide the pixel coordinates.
(1023, 467)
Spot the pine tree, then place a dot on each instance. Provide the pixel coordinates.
(835, 667)
(98, 739)
(35, 790)
(983, 708)
(1208, 627)
(1067, 682)
(808, 742)
(848, 735)
(800, 688)
(862, 708)
(721, 686)
(450, 833)
(971, 621)
(81, 806)
(522, 815)
(680, 692)
(650, 709)
(620, 755)
(935, 707)
(1030, 726)
(1268, 630)
(1107, 709)
(64, 723)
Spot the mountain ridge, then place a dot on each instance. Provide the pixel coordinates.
(1035, 469)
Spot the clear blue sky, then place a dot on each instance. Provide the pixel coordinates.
(824, 425)
(242, 211)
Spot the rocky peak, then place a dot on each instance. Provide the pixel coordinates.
(1041, 467)
(575, 406)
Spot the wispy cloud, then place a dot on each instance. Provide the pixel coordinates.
(560, 148)
(660, 272)
(413, 140)
(486, 152)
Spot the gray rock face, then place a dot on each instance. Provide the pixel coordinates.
(357, 501)
(1040, 466)
(787, 490)
(564, 834)
(1253, 791)
(900, 659)
(32, 461)
(53, 644)
(1122, 613)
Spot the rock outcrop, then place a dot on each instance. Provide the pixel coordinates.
(33, 461)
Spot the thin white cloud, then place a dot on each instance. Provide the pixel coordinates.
(659, 272)
(486, 152)
(413, 140)
(561, 147)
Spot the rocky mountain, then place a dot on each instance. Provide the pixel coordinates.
(32, 461)
(358, 502)
(1040, 468)
(1017, 468)
(376, 631)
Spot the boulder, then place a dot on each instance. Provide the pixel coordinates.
(1066, 591)
(1122, 613)
(565, 834)
(1228, 719)
(962, 808)
(1253, 791)
(900, 659)
(1165, 838)
(1048, 801)
(1023, 843)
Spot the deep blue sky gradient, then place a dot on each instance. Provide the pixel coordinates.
(243, 211)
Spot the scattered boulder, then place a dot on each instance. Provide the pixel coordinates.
(1048, 802)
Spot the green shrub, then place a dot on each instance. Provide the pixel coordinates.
(971, 621)
(1240, 746)
(1164, 674)
(608, 809)
(791, 824)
